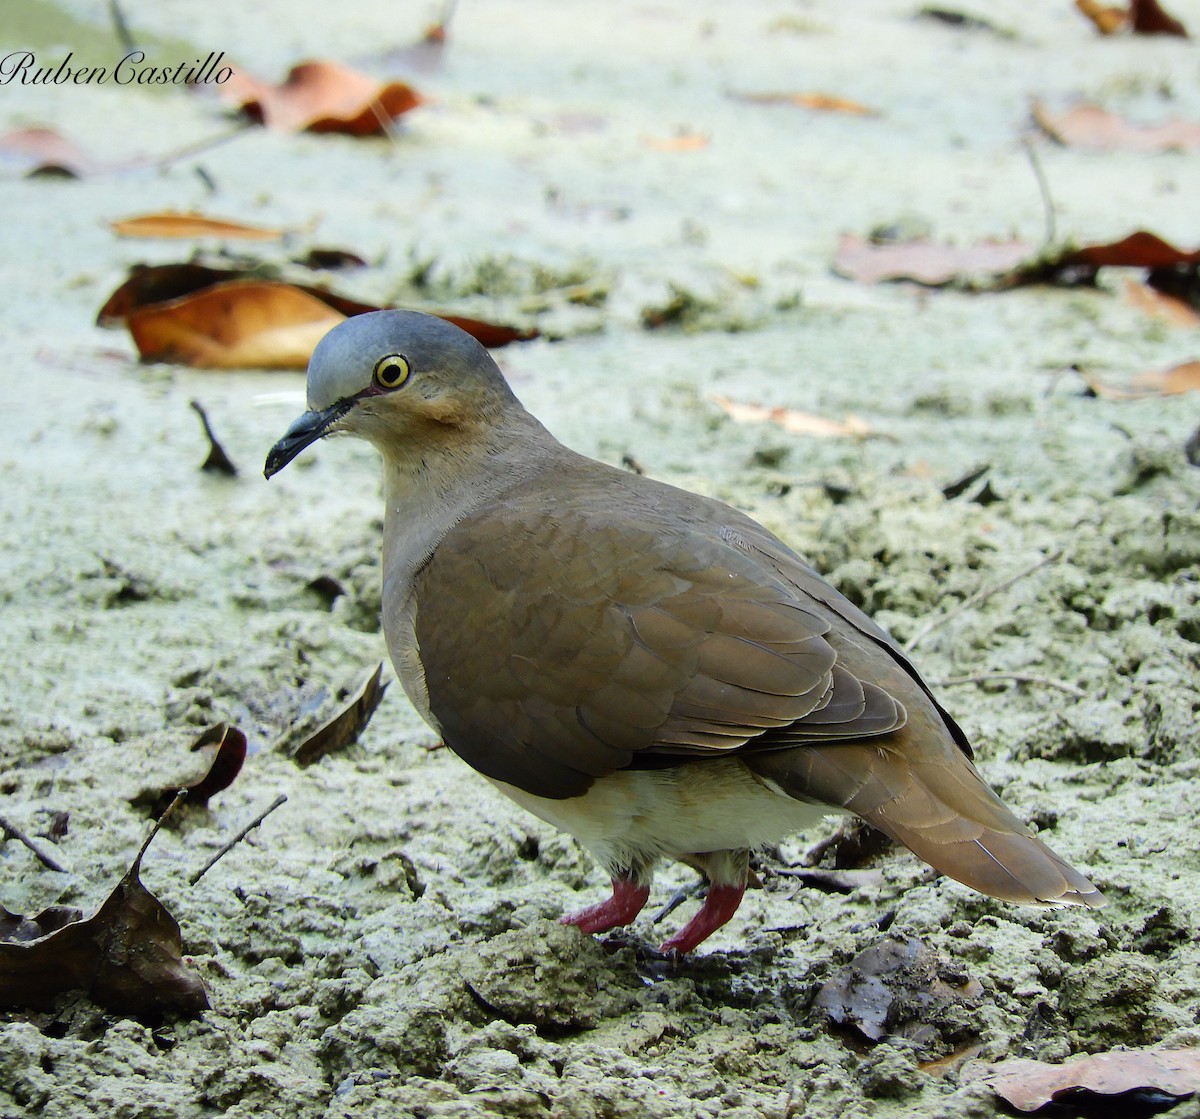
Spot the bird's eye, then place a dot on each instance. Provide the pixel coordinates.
(392, 371)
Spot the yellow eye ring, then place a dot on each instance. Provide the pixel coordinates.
(391, 371)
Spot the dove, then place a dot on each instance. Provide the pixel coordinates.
(643, 667)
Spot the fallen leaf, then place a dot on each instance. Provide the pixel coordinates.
(1174, 381)
(1169, 268)
(895, 988)
(792, 420)
(224, 765)
(1108, 20)
(685, 142)
(344, 727)
(225, 318)
(44, 151)
(1160, 305)
(1094, 128)
(1030, 1085)
(241, 324)
(330, 260)
(1181, 378)
(819, 102)
(127, 957)
(159, 283)
(1148, 18)
(925, 262)
(489, 334)
(171, 224)
(323, 96)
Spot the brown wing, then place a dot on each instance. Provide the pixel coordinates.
(561, 646)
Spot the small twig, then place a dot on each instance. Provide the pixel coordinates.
(218, 462)
(282, 798)
(978, 597)
(121, 27)
(677, 899)
(1018, 677)
(1051, 230)
(12, 831)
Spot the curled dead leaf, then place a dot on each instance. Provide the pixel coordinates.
(345, 726)
(1160, 305)
(1178, 379)
(1094, 128)
(127, 957)
(792, 420)
(170, 223)
(926, 262)
(241, 324)
(224, 765)
(1030, 1085)
(323, 96)
(228, 318)
(40, 151)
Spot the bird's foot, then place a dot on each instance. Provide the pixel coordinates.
(627, 901)
(720, 904)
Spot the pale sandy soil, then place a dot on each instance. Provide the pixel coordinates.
(386, 944)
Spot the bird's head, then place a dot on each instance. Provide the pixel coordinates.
(405, 381)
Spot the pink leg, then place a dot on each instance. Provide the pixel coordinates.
(720, 904)
(627, 901)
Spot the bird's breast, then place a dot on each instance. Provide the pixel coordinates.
(695, 807)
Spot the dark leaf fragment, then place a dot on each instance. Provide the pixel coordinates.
(345, 727)
(127, 957)
(226, 764)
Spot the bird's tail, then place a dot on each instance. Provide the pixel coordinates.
(918, 787)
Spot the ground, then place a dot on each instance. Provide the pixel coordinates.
(386, 942)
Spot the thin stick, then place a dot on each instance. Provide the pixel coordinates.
(121, 27)
(980, 596)
(1019, 677)
(11, 830)
(282, 798)
(1051, 229)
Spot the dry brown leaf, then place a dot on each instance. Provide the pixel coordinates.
(127, 957)
(149, 284)
(1094, 128)
(1030, 1085)
(44, 151)
(1148, 18)
(322, 96)
(171, 224)
(685, 142)
(241, 324)
(226, 318)
(1108, 20)
(1175, 381)
(224, 765)
(819, 102)
(926, 262)
(1161, 306)
(344, 727)
(791, 420)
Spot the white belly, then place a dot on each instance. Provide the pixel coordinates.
(634, 816)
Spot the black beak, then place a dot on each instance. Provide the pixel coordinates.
(307, 429)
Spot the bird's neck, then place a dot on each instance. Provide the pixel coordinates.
(428, 490)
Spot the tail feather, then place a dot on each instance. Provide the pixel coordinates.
(920, 789)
